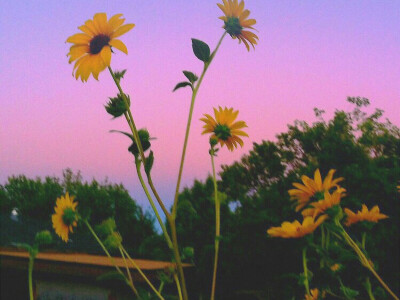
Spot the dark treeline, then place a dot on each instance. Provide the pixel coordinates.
(362, 148)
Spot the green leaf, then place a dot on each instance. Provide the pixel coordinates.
(149, 163)
(190, 76)
(112, 276)
(348, 292)
(181, 85)
(125, 133)
(201, 50)
(24, 246)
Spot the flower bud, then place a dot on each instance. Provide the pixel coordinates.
(43, 238)
(116, 106)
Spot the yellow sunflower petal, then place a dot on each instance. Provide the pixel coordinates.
(119, 45)
(106, 55)
(79, 38)
(115, 21)
(121, 30)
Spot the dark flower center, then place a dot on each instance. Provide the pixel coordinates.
(98, 42)
(69, 216)
(233, 27)
(222, 132)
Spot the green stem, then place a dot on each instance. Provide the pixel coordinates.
(131, 123)
(103, 247)
(30, 271)
(109, 255)
(363, 238)
(178, 287)
(129, 273)
(161, 287)
(364, 260)
(369, 289)
(178, 259)
(217, 226)
(327, 239)
(305, 271)
(143, 275)
(321, 262)
(194, 94)
(164, 229)
(164, 209)
(129, 116)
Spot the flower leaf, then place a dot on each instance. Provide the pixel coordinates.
(190, 76)
(182, 84)
(201, 50)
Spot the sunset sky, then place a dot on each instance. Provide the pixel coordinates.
(310, 54)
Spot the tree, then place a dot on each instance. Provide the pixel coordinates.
(363, 149)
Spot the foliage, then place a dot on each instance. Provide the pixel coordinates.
(34, 200)
(363, 149)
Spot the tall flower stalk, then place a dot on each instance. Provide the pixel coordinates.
(91, 53)
(363, 259)
(217, 224)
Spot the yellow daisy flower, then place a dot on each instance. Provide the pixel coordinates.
(335, 267)
(295, 229)
(373, 215)
(310, 187)
(224, 128)
(92, 49)
(322, 205)
(235, 20)
(65, 217)
(314, 295)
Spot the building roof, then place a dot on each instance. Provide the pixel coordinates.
(73, 263)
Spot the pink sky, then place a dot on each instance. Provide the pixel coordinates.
(310, 54)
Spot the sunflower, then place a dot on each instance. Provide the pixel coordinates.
(310, 188)
(224, 128)
(373, 215)
(235, 20)
(335, 267)
(322, 205)
(92, 48)
(314, 295)
(295, 229)
(65, 217)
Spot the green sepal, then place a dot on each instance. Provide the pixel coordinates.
(116, 106)
(181, 85)
(119, 74)
(201, 50)
(144, 138)
(190, 76)
(149, 163)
